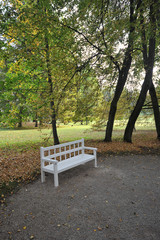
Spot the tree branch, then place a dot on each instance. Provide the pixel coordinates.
(78, 69)
(82, 34)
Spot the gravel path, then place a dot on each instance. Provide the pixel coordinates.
(120, 200)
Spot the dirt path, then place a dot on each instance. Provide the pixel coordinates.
(120, 200)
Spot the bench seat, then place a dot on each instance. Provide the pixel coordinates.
(69, 163)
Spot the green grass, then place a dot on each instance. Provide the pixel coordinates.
(25, 138)
(14, 138)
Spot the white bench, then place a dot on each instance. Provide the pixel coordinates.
(59, 158)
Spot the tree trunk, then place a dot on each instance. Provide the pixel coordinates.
(20, 122)
(137, 109)
(36, 123)
(20, 118)
(52, 106)
(123, 73)
(148, 59)
(54, 125)
(35, 120)
(155, 105)
(119, 88)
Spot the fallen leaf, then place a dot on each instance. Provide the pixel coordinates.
(65, 224)
(99, 228)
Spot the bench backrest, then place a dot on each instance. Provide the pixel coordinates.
(63, 151)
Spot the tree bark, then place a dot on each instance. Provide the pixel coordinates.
(20, 118)
(152, 90)
(155, 105)
(36, 120)
(137, 109)
(119, 88)
(36, 123)
(123, 74)
(52, 106)
(148, 59)
(54, 124)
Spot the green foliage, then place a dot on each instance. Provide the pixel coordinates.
(26, 82)
(80, 44)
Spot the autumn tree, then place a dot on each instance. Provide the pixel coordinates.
(148, 39)
(44, 47)
(105, 31)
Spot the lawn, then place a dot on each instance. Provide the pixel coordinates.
(14, 138)
(28, 137)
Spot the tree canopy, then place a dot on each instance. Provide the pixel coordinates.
(77, 61)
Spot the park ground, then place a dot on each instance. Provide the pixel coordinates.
(118, 200)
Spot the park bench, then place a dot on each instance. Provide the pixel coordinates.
(59, 158)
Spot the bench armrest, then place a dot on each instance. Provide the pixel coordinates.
(47, 159)
(90, 148)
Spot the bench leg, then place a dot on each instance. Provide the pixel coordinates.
(95, 162)
(56, 183)
(42, 176)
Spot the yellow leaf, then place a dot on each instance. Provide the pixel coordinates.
(24, 227)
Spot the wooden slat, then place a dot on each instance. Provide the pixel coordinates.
(62, 145)
(63, 153)
(60, 155)
(70, 149)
